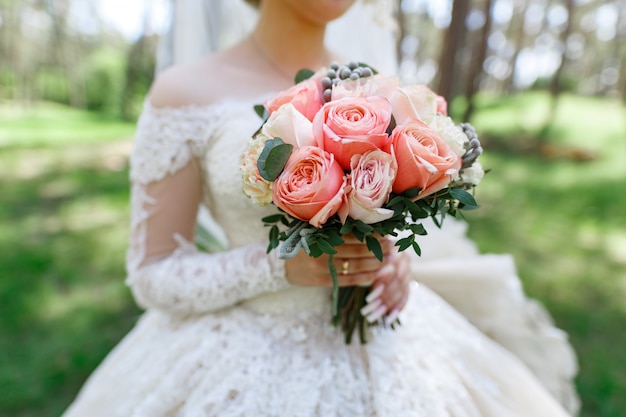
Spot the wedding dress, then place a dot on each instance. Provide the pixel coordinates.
(224, 334)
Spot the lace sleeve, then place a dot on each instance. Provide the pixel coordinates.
(165, 271)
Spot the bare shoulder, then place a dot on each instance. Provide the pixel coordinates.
(186, 84)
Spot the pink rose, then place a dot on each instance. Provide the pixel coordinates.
(311, 187)
(424, 160)
(351, 126)
(416, 102)
(305, 96)
(369, 186)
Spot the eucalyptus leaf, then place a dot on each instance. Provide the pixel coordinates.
(411, 193)
(464, 197)
(303, 75)
(404, 243)
(326, 247)
(274, 218)
(374, 246)
(347, 227)
(273, 158)
(363, 227)
(417, 249)
(261, 111)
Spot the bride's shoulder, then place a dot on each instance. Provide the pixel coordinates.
(198, 83)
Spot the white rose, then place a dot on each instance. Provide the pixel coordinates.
(253, 185)
(414, 102)
(473, 174)
(291, 126)
(450, 133)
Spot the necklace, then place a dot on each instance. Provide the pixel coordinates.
(277, 68)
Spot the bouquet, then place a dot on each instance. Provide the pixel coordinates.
(347, 150)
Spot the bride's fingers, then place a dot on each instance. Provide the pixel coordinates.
(353, 248)
(396, 285)
(348, 266)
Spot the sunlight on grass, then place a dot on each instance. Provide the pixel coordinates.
(48, 124)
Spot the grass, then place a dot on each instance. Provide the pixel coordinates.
(64, 218)
(564, 220)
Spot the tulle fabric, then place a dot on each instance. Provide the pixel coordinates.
(225, 334)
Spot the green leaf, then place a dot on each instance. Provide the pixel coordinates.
(347, 227)
(326, 247)
(363, 227)
(261, 111)
(404, 243)
(364, 65)
(395, 201)
(274, 218)
(316, 252)
(463, 197)
(334, 238)
(273, 158)
(374, 246)
(418, 229)
(303, 75)
(411, 193)
(417, 248)
(274, 235)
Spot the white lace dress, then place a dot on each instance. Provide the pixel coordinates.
(225, 335)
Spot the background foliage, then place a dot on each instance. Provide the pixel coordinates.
(542, 80)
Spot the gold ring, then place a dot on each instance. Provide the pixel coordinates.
(345, 268)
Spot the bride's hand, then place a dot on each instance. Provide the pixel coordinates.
(356, 265)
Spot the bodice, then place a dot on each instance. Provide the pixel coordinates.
(239, 218)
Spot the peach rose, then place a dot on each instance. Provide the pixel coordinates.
(291, 126)
(424, 160)
(351, 126)
(305, 96)
(311, 187)
(369, 185)
(416, 102)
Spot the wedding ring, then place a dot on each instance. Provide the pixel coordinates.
(345, 268)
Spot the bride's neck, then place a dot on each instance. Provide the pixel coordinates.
(292, 43)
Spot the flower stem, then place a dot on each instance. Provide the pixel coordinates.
(333, 275)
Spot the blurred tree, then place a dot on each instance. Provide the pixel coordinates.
(140, 65)
(479, 53)
(67, 50)
(453, 41)
(516, 29)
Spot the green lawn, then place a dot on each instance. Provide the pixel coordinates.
(64, 218)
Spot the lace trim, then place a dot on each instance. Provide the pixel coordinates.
(189, 281)
(167, 138)
(165, 141)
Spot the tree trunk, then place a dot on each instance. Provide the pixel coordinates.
(519, 44)
(478, 58)
(555, 83)
(452, 43)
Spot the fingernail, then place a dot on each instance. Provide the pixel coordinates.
(375, 293)
(392, 316)
(385, 270)
(371, 307)
(365, 284)
(376, 314)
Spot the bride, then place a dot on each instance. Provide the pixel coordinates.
(240, 332)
